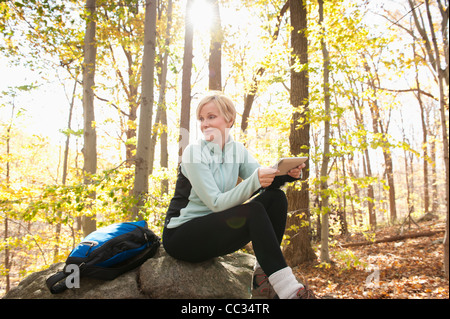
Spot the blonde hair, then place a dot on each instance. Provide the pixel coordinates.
(223, 103)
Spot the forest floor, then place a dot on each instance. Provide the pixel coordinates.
(409, 268)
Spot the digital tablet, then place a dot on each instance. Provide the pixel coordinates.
(284, 165)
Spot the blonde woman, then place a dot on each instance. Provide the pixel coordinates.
(209, 215)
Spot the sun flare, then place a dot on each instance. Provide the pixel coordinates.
(200, 15)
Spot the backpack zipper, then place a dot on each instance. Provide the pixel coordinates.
(90, 244)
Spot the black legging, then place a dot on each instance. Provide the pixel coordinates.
(262, 221)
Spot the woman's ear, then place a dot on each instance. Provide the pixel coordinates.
(230, 124)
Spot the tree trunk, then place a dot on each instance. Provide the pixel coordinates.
(324, 251)
(426, 195)
(161, 116)
(434, 59)
(393, 238)
(378, 127)
(145, 119)
(183, 139)
(405, 152)
(442, 77)
(164, 160)
(130, 146)
(131, 90)
(299, 250)
(160, 126)
(356, 219)
(7, 254)
(65, 164)
(90, 135)
(359, 118)
(433, 155)
(357, 105)
(215, 50)
(370, 191)
(344, 206)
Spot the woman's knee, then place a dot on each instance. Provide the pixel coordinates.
(274, 198)
(256, 208)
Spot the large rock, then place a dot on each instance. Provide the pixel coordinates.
(159, 277)
(223, 277)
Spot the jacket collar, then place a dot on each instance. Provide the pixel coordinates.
(215, 150)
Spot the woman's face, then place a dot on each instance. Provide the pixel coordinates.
(213, 125)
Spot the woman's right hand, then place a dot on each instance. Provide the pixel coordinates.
(266, 176)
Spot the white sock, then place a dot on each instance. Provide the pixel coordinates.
(284, 283)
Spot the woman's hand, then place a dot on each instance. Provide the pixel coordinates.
(296, 172)
(266, 176)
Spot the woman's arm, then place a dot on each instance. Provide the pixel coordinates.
(201, 178)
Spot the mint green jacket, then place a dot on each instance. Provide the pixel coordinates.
(213, 173)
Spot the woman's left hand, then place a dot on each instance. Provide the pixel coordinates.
(296, 172)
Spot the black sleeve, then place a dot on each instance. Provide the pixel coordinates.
(279, 181)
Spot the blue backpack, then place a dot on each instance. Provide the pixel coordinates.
(108, 252)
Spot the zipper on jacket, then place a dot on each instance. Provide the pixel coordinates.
(221, 171)
(223, 178)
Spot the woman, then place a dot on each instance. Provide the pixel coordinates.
(208, 216)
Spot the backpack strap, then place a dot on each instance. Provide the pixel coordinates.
(57, 283)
